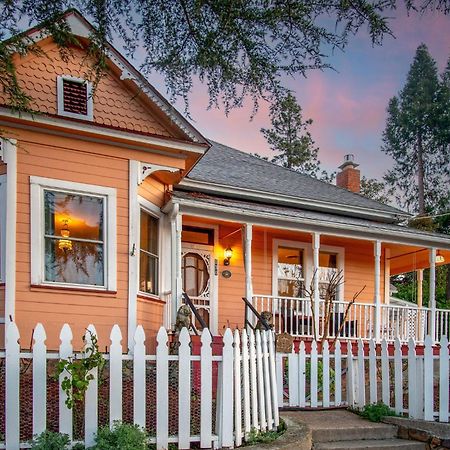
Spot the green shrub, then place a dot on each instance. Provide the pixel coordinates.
(49, 440)
(256, 437)
(319, 374)
(122, 436)
(376, 411)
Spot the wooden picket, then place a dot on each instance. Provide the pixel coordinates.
(246, 391)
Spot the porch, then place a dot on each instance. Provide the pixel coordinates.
(284, 267)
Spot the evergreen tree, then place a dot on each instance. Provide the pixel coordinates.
(414, 138)
(290, 138)
(374, 189)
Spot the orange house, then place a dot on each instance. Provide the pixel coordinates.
(113, 205)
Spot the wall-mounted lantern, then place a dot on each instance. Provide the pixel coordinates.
(440, 258)
(228, 253)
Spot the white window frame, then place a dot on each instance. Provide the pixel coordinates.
(154, 211)
(307, 261)
(37, 187)
(2, 227)
(60, 98)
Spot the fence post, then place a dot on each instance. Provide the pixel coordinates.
(413, 401)
(39, 380)
(326, 374)
(12, 380)
(162, 390)
(206, 390)
(428, 390)
(139, 387)
(443, 380)
(115, 376)
(273, 379)
(91, 397)
(265, 353)
(398, 376)
(260, 381)
(373, 394)
(65, 352)
(184, 389)
(385, 395)
(337, 374)
(253, 383)
(314, 370)
(350, 376)
(226, 388)
(293, 371)
(361, 383)
(246, 382)
(301, 374)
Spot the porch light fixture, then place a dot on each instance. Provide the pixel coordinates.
(440, 258)
(228, 253)
(65, 243)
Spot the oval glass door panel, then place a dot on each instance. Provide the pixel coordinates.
(195, 274)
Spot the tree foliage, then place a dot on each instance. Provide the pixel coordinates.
(239, 49)
(374, 189)
(417, 137)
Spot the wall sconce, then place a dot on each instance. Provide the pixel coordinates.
(65, 244)
(228, 253)
(440, 258)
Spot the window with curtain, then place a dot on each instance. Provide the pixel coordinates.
(290, 272)
(74, 238)
(327, 270)
(149, 254)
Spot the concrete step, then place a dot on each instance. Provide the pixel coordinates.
(360, 430)
(371, 444)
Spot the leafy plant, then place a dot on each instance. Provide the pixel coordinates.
(256, 437)
(122, 436)
(49, 440)
(77, 380)
(319, 374)
(376, 411)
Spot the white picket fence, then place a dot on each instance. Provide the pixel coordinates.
(246, 389)
(412, 384)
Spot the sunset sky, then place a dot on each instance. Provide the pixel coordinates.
(348, 106)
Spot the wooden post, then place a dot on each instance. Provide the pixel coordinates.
(248, 264)
(316, 248)
(419, 322)
(432, 303)
(175, 241)
(377, 299)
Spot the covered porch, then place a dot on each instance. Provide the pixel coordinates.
(285, 267)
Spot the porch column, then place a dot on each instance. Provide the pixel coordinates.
(176, 280)
(432, 302)
(377, 299)
(316, 248)
(248, 231)
(420, 323)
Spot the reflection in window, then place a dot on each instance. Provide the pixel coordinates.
(74, 238)
(290, 271)
(327, 270)
(195, 274)
(149, 259)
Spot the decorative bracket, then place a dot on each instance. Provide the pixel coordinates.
(147, 169)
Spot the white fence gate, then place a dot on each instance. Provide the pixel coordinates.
(414, 381)
(240, 385)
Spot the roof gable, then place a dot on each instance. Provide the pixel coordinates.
(226, 166)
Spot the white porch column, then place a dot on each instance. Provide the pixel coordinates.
(176, 280)
(419, 322)
(316, 248)
(432, 302)
(248, 232)
(8, 155)
(377, 296)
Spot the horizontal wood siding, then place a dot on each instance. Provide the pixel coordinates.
(150, 316)
(66, 159)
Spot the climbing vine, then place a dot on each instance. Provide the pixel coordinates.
(77, 377)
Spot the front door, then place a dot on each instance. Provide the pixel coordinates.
(197, 271)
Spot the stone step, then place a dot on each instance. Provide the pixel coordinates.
(360, 430)
(371, 444)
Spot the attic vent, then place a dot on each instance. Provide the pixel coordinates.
(74, 98)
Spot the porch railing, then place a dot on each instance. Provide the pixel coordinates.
(357, 321)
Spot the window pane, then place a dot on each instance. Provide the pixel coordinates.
(291, 288)
(195, 274)
(78, 216)
(290, 263)
(82, 264)
(149, 233)
(148, 276)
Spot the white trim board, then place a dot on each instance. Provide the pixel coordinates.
(37, 186)
(3, 210)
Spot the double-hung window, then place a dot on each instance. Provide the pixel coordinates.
(290, 271)
(149, 254)
(73, 234)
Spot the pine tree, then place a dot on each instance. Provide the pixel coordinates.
(414, 138)
(290, 138)
(374, 189)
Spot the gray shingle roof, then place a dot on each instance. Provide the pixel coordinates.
(228, 166)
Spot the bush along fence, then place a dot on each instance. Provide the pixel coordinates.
(178, 397)
(413, 380)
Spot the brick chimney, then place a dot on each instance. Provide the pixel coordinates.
(349, 177)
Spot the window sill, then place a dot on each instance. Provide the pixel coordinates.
(2, 284)
(150, 297)
(49, 287)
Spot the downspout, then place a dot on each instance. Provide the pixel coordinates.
(8, 155)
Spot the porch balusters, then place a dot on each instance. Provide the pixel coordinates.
(432, 317)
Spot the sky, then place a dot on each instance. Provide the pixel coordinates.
(348, 105)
